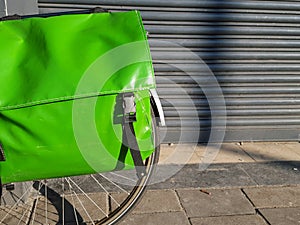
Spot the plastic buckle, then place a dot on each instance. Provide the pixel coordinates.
(129, 108)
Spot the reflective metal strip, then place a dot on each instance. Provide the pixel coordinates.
(3, 8)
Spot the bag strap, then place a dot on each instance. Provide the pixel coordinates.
(129, 137)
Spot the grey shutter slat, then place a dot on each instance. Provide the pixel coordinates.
(278, 5)
(252, 47)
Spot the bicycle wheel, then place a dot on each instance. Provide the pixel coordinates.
(90, 199)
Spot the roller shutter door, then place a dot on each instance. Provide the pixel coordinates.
(252, 48)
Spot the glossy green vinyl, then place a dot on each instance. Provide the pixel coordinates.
(61, 82)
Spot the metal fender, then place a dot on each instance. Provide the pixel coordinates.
(158, 110)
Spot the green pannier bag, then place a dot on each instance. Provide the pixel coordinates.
(63, 81)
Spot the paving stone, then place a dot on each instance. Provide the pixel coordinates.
(293, 146)
(94, 203)
(15, 215)
(273, 197)
(274, 173)
(170, 218)
(229, 220)
(116, 199)
(21, 193)
(193, 154)
(82, 204)
(217, 175)
(179, 154)
(158, 201)
(232, 153)
(230, 175)
(282, 216)
(272, 151)
(218, 203)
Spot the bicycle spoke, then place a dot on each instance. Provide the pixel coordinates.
(36, 202)
(80, 202)
(126, 178)
(94, 203)
(118, 186)
(12, 207)
(46, 203)
(63, 201)
(73, 202)
(109, 194)
(26, 211)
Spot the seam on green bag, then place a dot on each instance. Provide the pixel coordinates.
(72, 97)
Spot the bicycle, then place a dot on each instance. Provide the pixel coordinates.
(50, 168)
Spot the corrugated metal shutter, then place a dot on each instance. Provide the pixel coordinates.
(253, 48)
(2, 8)
(11, 7)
